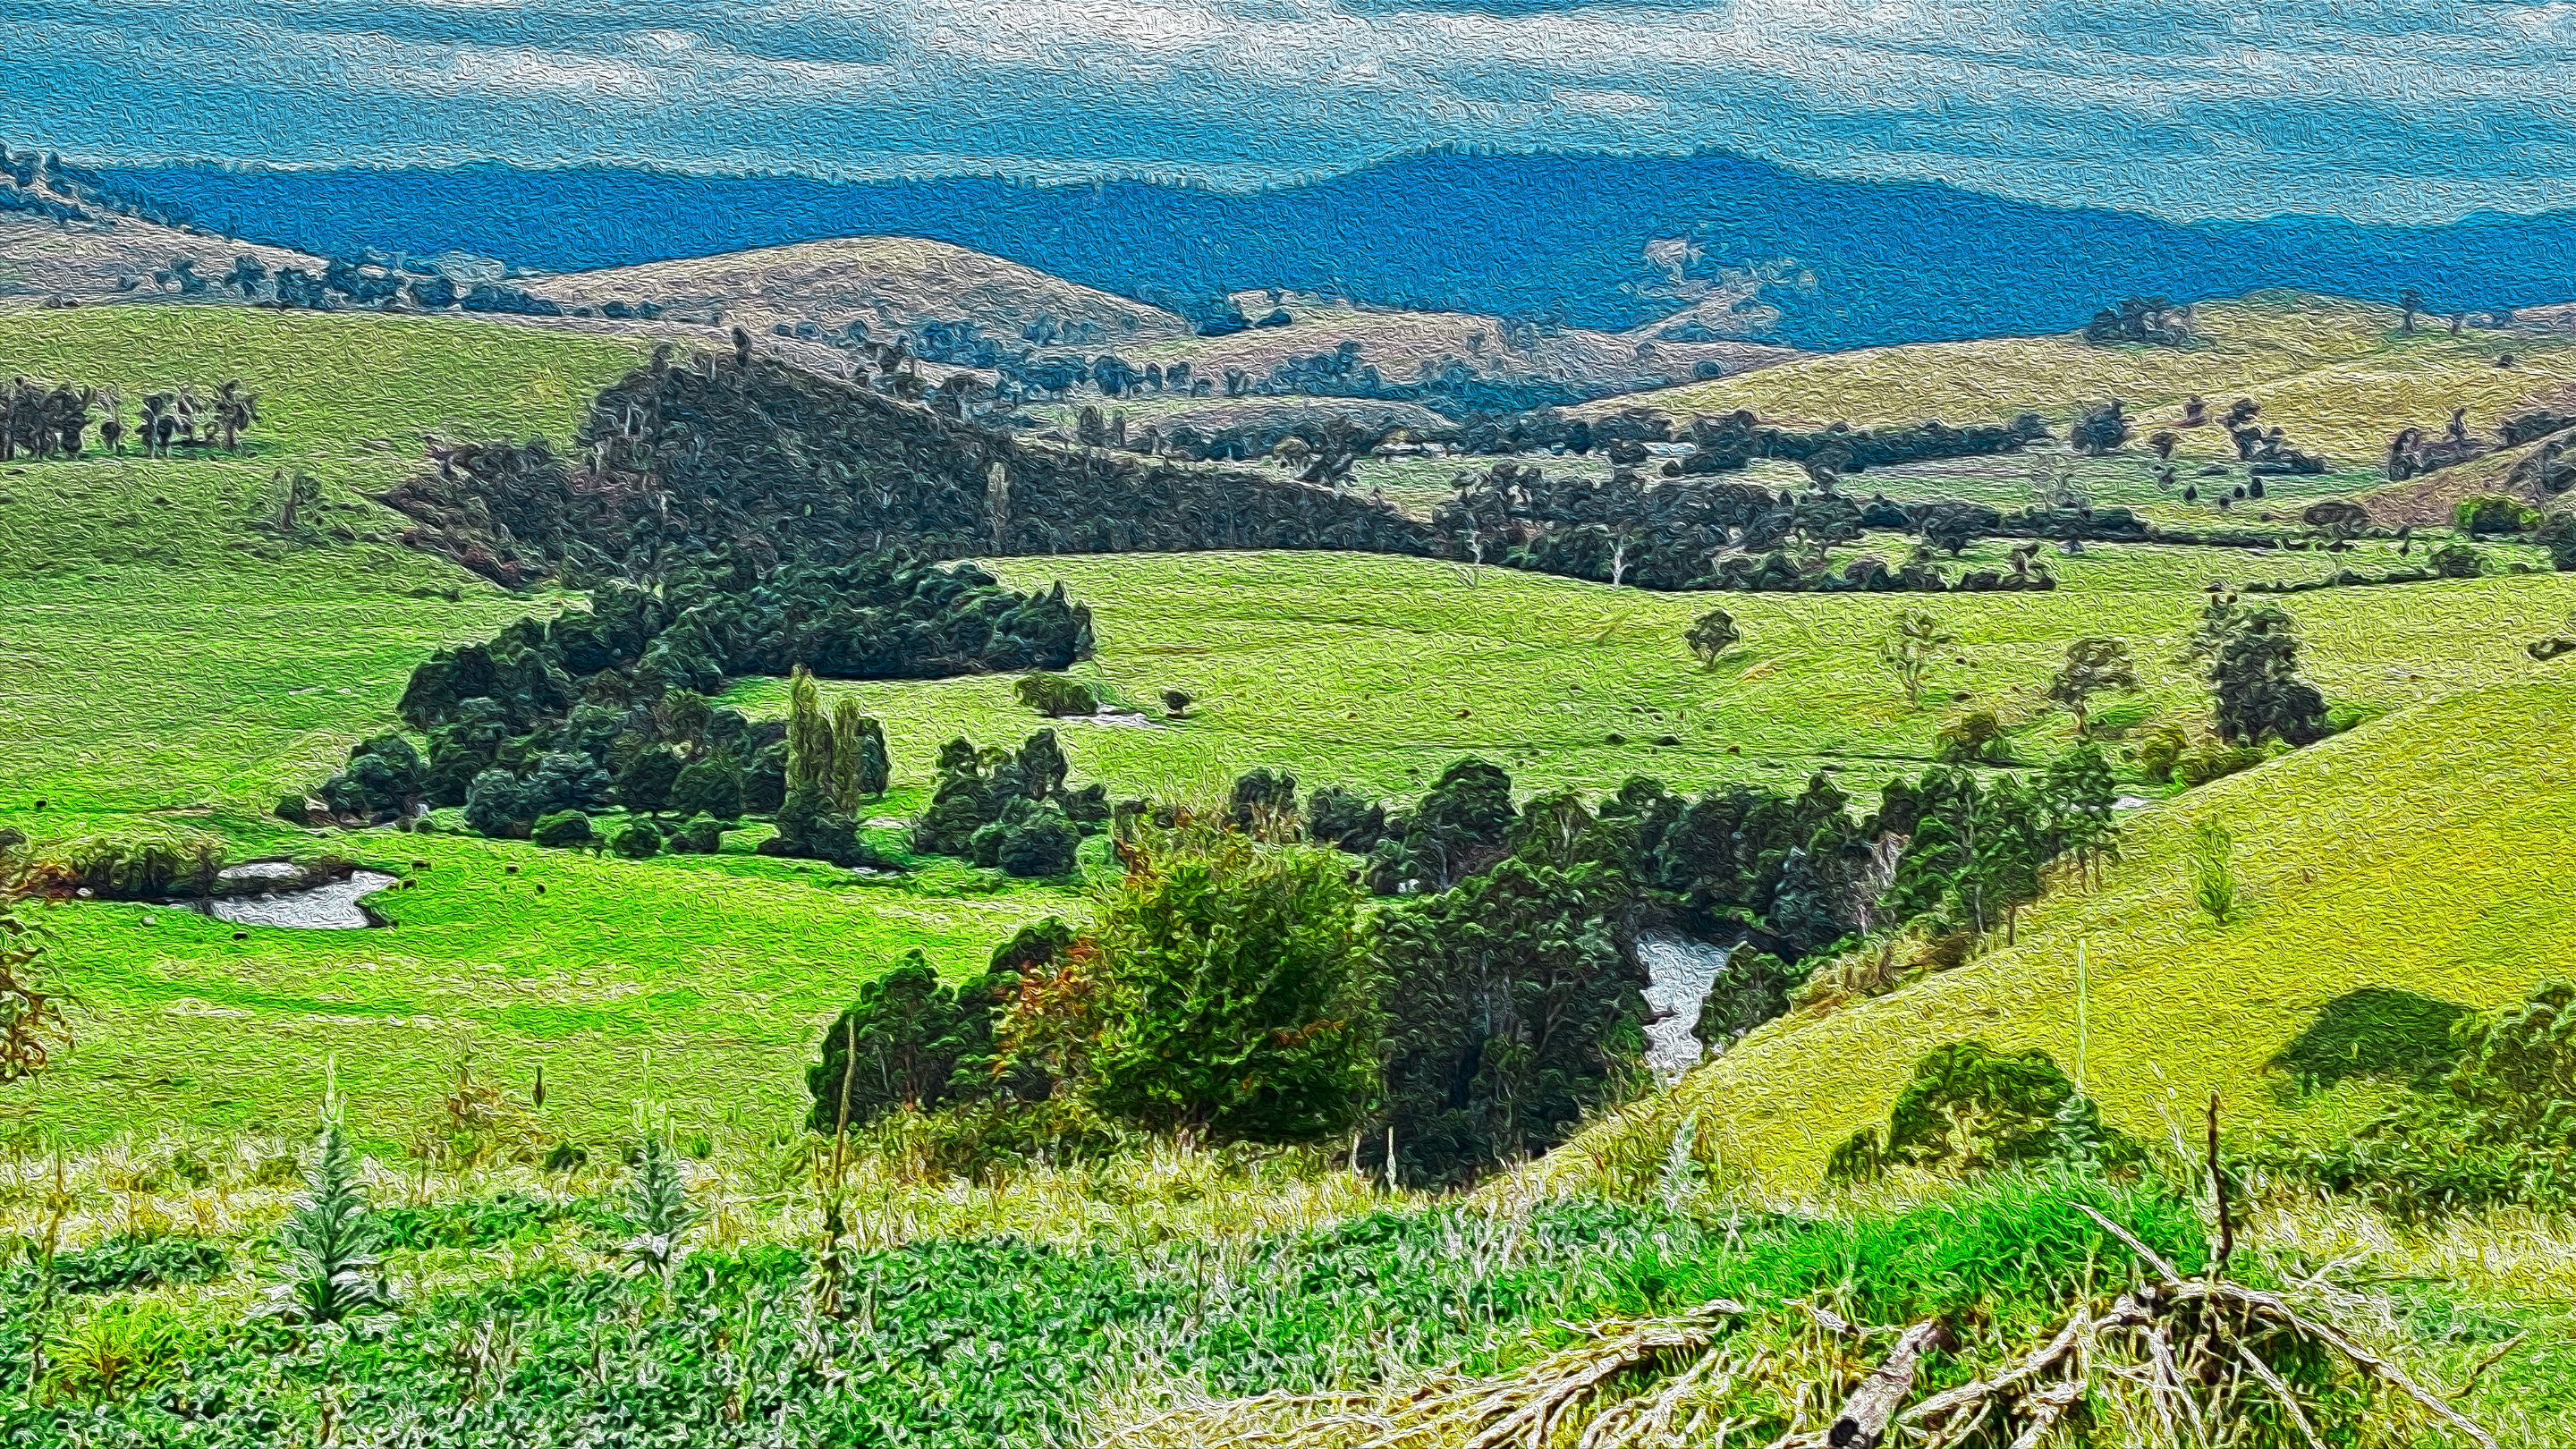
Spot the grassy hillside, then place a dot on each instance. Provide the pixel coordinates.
(164, 659)
(891, 284)
(2402, 855)
(1404, 346)
(2335, 375)
(92, 260)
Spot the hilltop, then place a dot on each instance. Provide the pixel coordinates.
(61, 240)
(1561, 236)
(2333, 373)
(888, 285)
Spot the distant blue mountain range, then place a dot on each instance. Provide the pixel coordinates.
(1554, 237)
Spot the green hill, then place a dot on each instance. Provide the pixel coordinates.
(2405, 854)
(2335, 375)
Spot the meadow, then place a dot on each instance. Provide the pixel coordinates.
(168, 660)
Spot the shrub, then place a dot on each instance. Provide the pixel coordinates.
(648, 780)
(636, 840)
(710, 787)
(910, 1041)
(1711, 635)
(497, 805)
(1055, 696)
(2488, 513)
(2214, 760)
(2213, 870)
(566, 780)
(1043, 844)
(383, 777)
(1232, 992)
(1177, 702)
(2557, 533)
(699, 835)
(1970, 1108)
(562, 828)
(1972, 738)
(2457, 561)
(331, 1238)
(145, 861)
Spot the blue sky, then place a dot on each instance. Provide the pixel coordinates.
(2383, 110)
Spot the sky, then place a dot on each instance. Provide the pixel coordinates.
(2409, 111)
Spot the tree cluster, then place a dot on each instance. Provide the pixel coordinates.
(749, 454)
(610, 704)
(1010, 809)
(40, 420)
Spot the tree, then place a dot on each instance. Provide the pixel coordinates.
(1711, 635)
(809, 735)
(1971, 1108)
(235, 410)
(496, 805)
(901, 1045)
(2410, 302)
(712, 787)
(2005, 861)
(563, 829)
(2080, 795)
(1908, 649)
(1233, 992)
(859, 764)
(2093, 665)
(1512, 1010)
(2253, 670)
(648, 780)
(2100, 429)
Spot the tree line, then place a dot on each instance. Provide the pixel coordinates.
(52, 420)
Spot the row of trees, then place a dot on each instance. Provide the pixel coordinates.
(41, 420)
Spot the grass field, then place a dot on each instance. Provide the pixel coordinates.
(2335, 375)
(2403, 854)
(164, 659)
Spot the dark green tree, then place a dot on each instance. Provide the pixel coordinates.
(2254, 673)
(899, 1046)
(1512, 1010)
(647, 781)
(711, 787)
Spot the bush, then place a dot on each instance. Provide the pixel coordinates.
(2457, 561)
(382, 779)
(2490, 513)
(909, 1041)
(563, 828)
(2495, 1130)
(636, 840)
(1230, 993)
(711, 787)
(699, 835)
(1042, 844)
(648, 780)
(1055, 696)
(497, 805)
(135, 862)
(1970, 1108)
(1972, 738)
(2214, 760)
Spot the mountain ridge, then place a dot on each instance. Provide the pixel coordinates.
(1553, 237)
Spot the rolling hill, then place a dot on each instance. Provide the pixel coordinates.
(2397, 856)
(2334, 374)
(1560, 236)
(60, 246)
(890, 285)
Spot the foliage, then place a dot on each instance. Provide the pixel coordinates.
(1711, 635)
(1459, 828)
(2213, 869)
(563, 828)
(2499, 1127)
(1232, 992)
(710, 787)
(2253, 670)
(2094, 665)
(1512, 1010)
(119, 1350)
(1009, 808)
(2457, 561)
(331, 1238)
(1055, 696)
(2493, 513)
(1908, 649)
(383, 778)
(657, 1210)
(32, 1023)
(1972, 737)
(2101, 429)
(636, 840)
(140, 861)
(1970, 1108)
(909, 1041)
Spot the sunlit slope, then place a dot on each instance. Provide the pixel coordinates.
(2417, 852)
(2335, 375)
